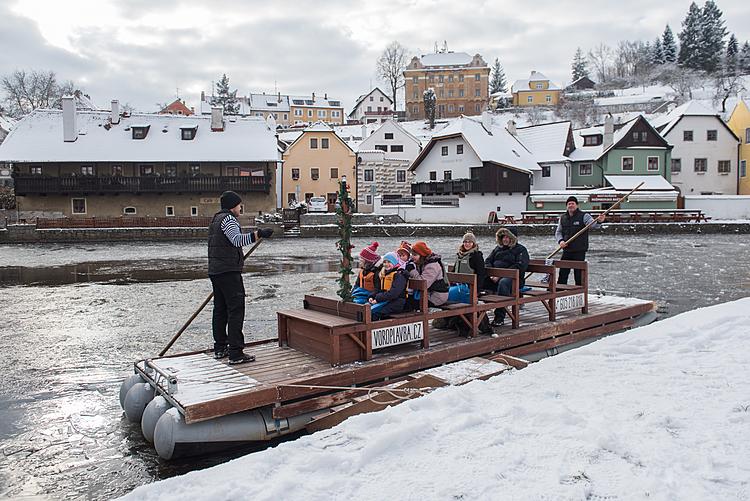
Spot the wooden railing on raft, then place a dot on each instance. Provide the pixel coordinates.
(342, 332)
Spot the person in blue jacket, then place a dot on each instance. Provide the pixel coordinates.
(392, 296)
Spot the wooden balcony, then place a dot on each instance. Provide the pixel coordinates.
(446, 187)
(30, 185)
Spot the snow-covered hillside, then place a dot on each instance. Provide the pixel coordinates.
(660, 412)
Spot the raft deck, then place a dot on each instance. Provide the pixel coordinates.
(203, 388)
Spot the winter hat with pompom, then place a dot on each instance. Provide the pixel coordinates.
(370, 253)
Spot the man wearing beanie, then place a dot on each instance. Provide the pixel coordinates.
(225, 260)
(570, 223)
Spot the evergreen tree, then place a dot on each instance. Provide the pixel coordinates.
(712, 37)
(668, 46)
(225, 98)
(730, 61)
(497, 82)
(744, 59)
(430, 104)
(579, 66)
(657, 54)
(691, 38)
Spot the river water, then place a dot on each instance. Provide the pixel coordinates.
(73, 319)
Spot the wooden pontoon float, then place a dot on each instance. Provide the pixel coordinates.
(331, 361)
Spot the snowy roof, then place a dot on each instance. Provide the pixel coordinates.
(499, 147)
(269, 102)
(319, 127)
(39, 138)
(7, 123)
(691, 108)
(582, 152)
(523, 85)
(421, 129)
(446, 59)
(319, 102)
(654, 182)
(546, 141)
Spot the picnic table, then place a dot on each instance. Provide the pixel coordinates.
(624, 216)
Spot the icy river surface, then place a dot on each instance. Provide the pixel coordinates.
(75, 317)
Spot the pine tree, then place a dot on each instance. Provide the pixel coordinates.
(225, 98)
(498, 83)
(657, 54)
(668, 46)
(744, 59)
(730, 57)
(712, 39)
(690, 39)
(430, 104)
(578, 66)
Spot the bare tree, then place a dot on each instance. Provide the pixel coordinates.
(27, 91)
(681, 79)
(600, 58)
(727, 85)
(390, 67)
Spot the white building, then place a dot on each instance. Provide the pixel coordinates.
(394, 140)
(704, 158)
(373, 107)
(471, 168)
(550, 144)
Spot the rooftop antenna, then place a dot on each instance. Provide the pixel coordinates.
(178, 93)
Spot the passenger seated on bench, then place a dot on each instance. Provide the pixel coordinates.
(368, 279)
(507, 254)
(392, 298)
(427, 266)
(469, 259)
(404, 253)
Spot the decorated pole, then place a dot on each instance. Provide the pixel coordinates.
(344, 244)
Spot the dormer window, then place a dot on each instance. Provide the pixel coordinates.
(188, 133)
(593, 140)
(140, 131)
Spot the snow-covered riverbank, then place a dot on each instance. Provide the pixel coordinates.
(661, 412)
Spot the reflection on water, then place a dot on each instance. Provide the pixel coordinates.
(154, 270)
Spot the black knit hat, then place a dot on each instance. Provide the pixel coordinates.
(571, 198)
(230, 200)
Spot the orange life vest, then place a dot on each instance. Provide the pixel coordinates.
(367, 280)
(387, 280)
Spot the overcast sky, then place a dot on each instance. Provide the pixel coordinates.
(142, 51)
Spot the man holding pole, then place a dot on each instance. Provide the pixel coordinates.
(574, 249)
(225, 261)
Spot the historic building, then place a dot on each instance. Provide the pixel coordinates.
(739, 122)
(460, 81)
(314, 163)
(106, 163)
(537, 90)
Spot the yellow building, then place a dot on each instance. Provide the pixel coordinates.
(537, 90)
(314, 163)
(739, 122)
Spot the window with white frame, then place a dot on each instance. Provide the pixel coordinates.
(310, 113)
(548, 98)
(295, 174)
(400, 176)
(539, 86)
(297, 113)
(368, 199)
(321, 113)
(478, 108)
(444, 151)
(397, 148)
(652, 163)
(530, 99)
(87, 170)
(117, 169)
(415, 109)
(747, 135)
(369, 174)
(286, 116)
(460, 78)
(389, 135)
(743, 167)
(477, 77)
(711, 135)
(459, 149)
(433, 175)
(478, 92)
(415, 79)
(447, 175)
(627, 164)
(129, 211)
(78, 205)
(334, 172)
(585, 169)
(193, 211)
(687, 135)
(724, 166)
(460, 93)
(676, 165)
(335, 114)
(169, 210)
(35, 170)
(313, 143)
(314, 173)
(324, 143)
(546, 171)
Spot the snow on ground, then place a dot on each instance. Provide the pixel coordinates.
(661, 412)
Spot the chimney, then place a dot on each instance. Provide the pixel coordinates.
(512, 127)
(70, 128)
(325, 96)
(278, 97)
(217, 118)
(313, 97)
(203, 96)
(609, 131)
(487, 120)
(364, 131)
(115, 118)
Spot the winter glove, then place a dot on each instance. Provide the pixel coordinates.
(265, 232)
(410, 267)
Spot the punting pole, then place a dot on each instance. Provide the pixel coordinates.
(203, 305)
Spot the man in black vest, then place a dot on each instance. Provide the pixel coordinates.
(571, 222)
(225, 260)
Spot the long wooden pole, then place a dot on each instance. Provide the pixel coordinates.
(592, 223)
(200, 308)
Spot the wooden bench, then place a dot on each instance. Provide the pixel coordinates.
(564, 290)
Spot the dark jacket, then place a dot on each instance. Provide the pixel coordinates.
(570, 225)
(398, 287)
(513, 256)
(223, 257)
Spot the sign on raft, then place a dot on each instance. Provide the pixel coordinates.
(397, 334)
(569, 302)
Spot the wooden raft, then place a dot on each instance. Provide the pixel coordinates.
(202, 388)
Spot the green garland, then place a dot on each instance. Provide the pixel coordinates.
(344, 244)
